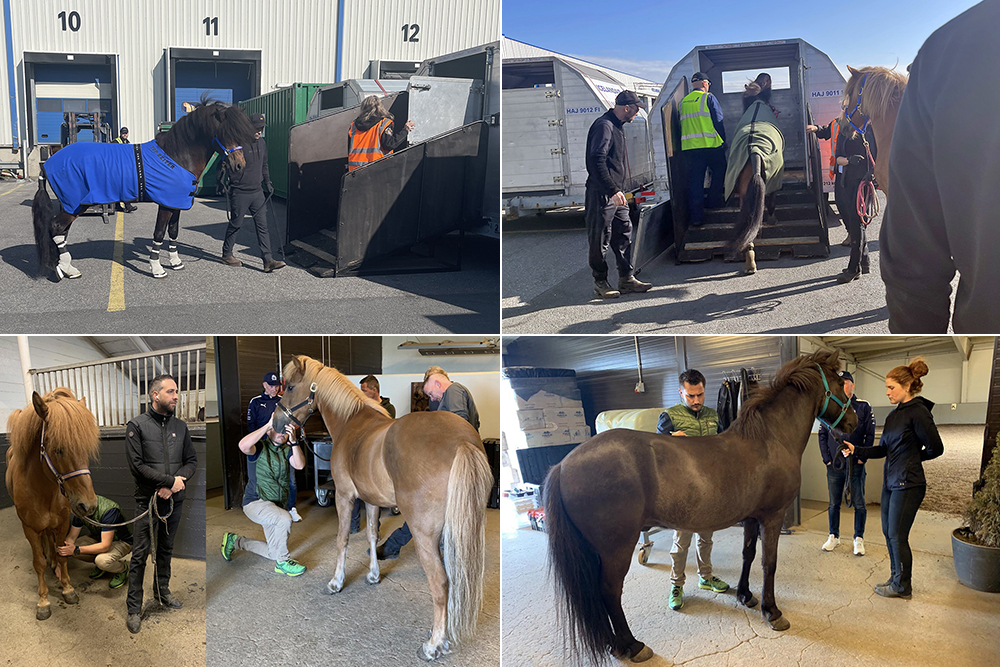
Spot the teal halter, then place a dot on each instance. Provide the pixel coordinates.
(844, 407)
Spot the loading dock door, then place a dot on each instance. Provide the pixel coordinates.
(57, 85)
(225, 75)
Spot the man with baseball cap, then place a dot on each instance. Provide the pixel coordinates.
(703, 143)
(246, 193)
(607, 211)
(841, 471)
(259, 413)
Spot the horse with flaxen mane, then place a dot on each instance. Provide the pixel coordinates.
(872, 95)
(165, 171)
(621, 482)
(47, 477)
(430, 464)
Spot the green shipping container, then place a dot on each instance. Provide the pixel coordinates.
(282, 108)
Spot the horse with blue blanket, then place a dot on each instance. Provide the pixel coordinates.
(164, 171)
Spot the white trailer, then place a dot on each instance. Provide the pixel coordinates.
(549, 104)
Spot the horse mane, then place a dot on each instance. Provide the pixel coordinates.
(883, 91)
(334, 390)
(71, 425)
(210, 118)
(799, 373)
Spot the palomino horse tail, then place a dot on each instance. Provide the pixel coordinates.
(469, 485)
(751, 208)
(577, 571)
(42, 213)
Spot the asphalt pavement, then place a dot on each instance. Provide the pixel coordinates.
(209, 297)
(548, 288)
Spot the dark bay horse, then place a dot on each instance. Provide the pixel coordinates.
(618, 483)
(51, 445)
(755, 166)
(431, 465)
(872, 95)
(210, 128)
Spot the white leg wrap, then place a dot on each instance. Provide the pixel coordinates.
(65, 268)
(157, 269)
(175, 262)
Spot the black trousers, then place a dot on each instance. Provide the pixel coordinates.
(698, 160)
(141, 545)
(847, 203)
(240, 203)
(608, 225)
(899, 509)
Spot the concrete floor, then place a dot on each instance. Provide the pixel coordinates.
(258, 617)
(835, 616)
(93, 632)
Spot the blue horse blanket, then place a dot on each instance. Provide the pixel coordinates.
(95, 173)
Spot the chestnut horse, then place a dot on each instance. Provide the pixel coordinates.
(872, 95)
(47, 477)
(431, 465)
(210, 128)
(621, 482)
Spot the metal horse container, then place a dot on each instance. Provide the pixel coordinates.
(812, 95)
(549, 104)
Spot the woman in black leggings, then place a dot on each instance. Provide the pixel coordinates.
(908, 438)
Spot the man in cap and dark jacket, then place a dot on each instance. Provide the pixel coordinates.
(607, 211)
(246, 193)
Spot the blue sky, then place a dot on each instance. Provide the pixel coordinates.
(646, 38)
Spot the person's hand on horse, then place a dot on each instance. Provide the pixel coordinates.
(290, 432)
(164, 493)
(410, 125)
(618, 199)
(681, 434)
(66, 549)
(178, 485)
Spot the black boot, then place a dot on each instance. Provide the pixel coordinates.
(847, 275)
(605, 290)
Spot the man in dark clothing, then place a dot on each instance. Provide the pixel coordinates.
(607, 211)
(703, 142)
(161, 459)
(942, 200)
(259, 412)
(246, 193)
(837, 469)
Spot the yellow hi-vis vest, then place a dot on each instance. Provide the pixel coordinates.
(697, 130)
(366, 147)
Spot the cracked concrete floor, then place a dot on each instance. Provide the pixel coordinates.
(836, 619)
(258, 617)
(93, 632)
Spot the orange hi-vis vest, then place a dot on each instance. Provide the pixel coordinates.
(366, 147)
(834, 130)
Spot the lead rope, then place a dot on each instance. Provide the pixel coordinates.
(867, 203)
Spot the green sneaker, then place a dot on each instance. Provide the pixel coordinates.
(96, 573)
(119, 579)
(713, 584)
(676, 599)
(228, 545)
(289, 567)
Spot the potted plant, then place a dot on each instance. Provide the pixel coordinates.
(976, 547)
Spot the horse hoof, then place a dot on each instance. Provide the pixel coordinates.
(176, 267)
(374, 581)
(642, 656)
(331, 589)
(779, 624)
(42, 613)
(71, 597)
(751, 603)
(428, 653)
(70, 272)
(752, 271)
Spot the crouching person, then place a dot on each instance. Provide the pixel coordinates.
(269, 454)
(110, 547)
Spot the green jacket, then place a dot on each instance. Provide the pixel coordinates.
(104, 506)
(681, 418)
(272, 472)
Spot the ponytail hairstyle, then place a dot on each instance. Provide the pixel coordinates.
(909, 375)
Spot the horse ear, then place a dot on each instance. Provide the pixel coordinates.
(83, 399)
(852, 70)
(40, 408)
(300, 363)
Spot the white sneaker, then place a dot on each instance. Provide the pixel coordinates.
(831, 543)
(295, 515)
(859, 546)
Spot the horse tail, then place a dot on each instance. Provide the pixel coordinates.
(469, 484)
(42, 213)
(751, 208)
(576, 568)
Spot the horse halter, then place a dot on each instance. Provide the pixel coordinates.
(59, 476)
(844, 406)
(225, 151)
(288, 412)
(857, 107)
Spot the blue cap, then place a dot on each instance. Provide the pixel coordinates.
(847, 375)
(272, 379)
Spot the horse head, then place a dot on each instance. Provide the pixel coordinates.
(68, 438)
(871, 92)
(834, 409)
(225, 127)
(298, 402)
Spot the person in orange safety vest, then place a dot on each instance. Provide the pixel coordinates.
(371, 135)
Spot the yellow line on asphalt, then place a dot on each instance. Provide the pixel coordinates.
(12, 189)
(116, 297)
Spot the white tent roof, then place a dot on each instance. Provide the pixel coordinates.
(512, 50)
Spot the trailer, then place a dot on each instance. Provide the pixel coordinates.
(549, 104)
(807, 89)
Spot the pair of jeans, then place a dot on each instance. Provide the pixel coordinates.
(141, 545)
(608, 225)
(899, 509)
(293, 489)
(397, 540)
(698, 160)
(836, 480)
(847, 204)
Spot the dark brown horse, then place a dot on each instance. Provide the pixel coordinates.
(873, 94)
(211, 127)
(47, 477)
(621, 482)
(430, 464)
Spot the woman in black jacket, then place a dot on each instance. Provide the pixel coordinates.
(908, 438)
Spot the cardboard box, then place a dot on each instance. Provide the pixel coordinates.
(547, 437)
(579, 434)
(564, 417)
(531, 419)
(539, 400)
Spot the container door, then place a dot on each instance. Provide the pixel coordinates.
(439, 105)
(532, 140)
